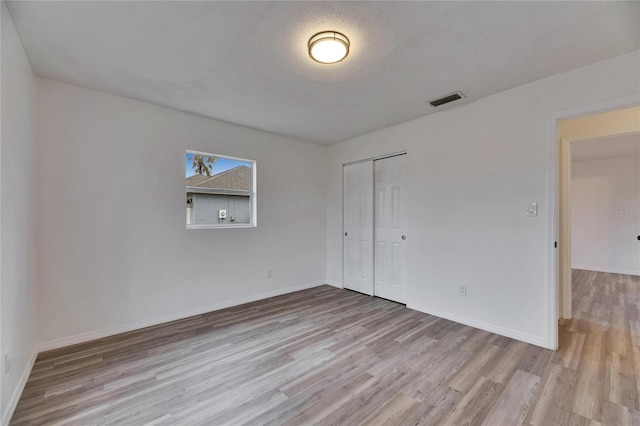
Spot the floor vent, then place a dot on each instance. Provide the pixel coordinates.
(445, 100)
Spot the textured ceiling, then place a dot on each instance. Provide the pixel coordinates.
(246, 62)
(612, 146)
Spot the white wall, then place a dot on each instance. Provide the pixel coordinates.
(605, 214)
(114, 253)
(472, 171)
(18, 214)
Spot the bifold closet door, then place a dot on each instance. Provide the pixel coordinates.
(391, 229)
(358, 227)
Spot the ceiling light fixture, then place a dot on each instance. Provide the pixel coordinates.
(328, 47)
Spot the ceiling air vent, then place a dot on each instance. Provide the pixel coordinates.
(445, 100)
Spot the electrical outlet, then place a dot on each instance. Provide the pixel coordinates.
(270, 273)
(7, 362)
(462, 291)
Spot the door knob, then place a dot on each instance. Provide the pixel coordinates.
(346, 234)
(404, 237)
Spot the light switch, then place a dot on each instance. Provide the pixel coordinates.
(532, 210)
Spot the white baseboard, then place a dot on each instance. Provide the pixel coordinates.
(15, 397)
(492, 328)
(607, 270)
(99, 334)
(337, 284)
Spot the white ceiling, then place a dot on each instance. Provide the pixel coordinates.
(606, 147)
(247, 63)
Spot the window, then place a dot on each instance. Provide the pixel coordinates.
(221, 191)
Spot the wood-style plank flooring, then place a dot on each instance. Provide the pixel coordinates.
(332, 356)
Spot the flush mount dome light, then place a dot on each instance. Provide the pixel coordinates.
(328, 47)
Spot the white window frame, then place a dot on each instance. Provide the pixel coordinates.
(253, 214)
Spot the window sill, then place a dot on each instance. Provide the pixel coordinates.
(222, 226)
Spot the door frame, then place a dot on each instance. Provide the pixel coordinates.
(379, 157)
(557, 164)
(372, 159)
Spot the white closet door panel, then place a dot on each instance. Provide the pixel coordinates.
(358, 227)
(391, 229)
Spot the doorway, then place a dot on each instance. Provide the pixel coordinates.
(375, 227)
(582, 139)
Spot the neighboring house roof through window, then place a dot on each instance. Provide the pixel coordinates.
(235, 180)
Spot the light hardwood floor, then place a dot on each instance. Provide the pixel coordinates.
(332, 356)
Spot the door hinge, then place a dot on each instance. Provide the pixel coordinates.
(555, 244)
